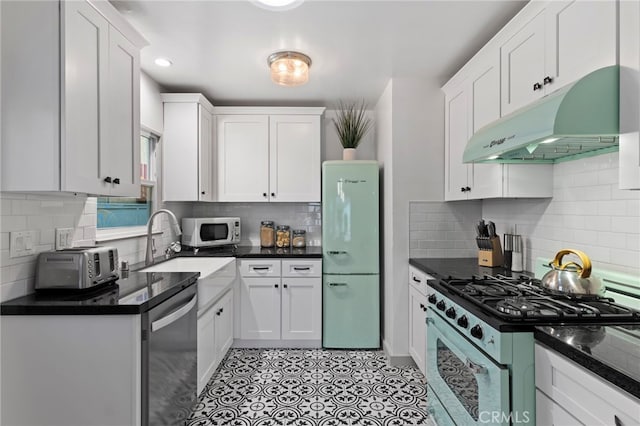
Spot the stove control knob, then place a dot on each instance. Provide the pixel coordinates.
(476, 331)
(463, 321)
(440, 305)
(451, 313)
(432, 298)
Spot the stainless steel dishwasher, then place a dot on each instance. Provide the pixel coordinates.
(169, 363)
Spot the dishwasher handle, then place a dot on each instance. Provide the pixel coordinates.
(174, 316)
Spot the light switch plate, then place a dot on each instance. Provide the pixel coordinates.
(64, 238)
(22, 243)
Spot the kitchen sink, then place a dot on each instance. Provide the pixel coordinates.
(216, 275)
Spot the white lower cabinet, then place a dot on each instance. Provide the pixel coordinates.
(215, 335)
(280, 300)
(418, 317)
(567, 394)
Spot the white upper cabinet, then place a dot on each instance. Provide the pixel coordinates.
(629, 95)
(242, 146)
(558, 45)
(82, 135)
(268, 154)
(187, 148)
(456, 137)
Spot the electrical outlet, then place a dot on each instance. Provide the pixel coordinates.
(64, 238)
(22, 243)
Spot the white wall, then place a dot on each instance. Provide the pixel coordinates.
(151, 113)
(410, 147)
(332, 148)
(588, 212)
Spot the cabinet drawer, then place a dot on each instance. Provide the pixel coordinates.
(418, 280)
(260, 268)
(582, 394)
(302, 268)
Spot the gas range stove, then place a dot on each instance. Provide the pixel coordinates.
(523, 299)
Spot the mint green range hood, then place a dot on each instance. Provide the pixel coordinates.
(576, 121)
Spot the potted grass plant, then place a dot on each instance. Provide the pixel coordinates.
(351, 124)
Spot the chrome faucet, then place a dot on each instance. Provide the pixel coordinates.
(148, 260)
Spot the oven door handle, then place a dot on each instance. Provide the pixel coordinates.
(174, 316)
(475, 368)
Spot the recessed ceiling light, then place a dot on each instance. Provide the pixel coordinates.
(277, 4)
(162, 62)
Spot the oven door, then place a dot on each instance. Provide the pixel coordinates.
(474, 390)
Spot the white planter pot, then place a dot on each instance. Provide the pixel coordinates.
(349, 154)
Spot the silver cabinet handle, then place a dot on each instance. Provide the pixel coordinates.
(475, 368)
(336, 252)
(337, 284)
(174, 316)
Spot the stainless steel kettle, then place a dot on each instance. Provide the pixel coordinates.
(571, 278)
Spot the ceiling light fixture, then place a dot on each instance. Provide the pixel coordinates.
(289, 68)
(277, 5)
(162, 62)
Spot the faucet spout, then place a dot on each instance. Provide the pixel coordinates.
(148, 260)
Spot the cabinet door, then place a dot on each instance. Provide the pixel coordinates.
(302, 308)
(120, 157)
(205, 154)
(260, 308)
(206, 347)
(180, 152)
(485, 180)
(418, 328)
(223, 326)
(242, 157)
(629, 95)
(294, 161)
(551, 414)
(574, 47)
(522, 62)
(456, 138)
(86, 44)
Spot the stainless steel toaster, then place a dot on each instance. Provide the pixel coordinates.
(76, 268)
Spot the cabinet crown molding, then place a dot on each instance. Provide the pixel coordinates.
(269, 110)
(188, 98)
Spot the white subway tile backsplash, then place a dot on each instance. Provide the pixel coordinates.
(13, 223)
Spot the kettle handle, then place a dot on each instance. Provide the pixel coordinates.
(585, 272)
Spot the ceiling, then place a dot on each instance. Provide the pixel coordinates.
(220, 48)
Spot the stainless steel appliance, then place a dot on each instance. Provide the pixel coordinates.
(199, 232)
(76, 268)
(480, 360)
(169, 354)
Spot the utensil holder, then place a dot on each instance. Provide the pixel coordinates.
(490, 252)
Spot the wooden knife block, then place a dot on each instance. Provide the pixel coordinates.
(491, 257)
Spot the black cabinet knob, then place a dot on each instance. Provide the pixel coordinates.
(537, 86)
(273, 194)
(467, 189)
(202, 192)
(424, 308)
(432, 298)
(284, 285)
(463, 321)
(107, 179)
(116, 181)
(264, 194)
(276, 285)
(476, 331)
(547, 80)
(451, 313)
(415, 279)
(440, 305)
(462, 189)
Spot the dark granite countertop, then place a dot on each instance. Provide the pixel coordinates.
(459, 267)
(255, 252)
(611, 352)
(132, 293)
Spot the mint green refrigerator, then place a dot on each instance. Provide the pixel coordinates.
(350, 255)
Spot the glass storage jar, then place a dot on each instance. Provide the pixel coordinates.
(283, 237)
(267, 234)
(299, 238)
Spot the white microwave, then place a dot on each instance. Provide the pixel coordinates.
(210, 231)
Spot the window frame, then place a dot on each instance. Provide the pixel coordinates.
(123, 232)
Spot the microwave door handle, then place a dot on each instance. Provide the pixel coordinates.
(174, 316)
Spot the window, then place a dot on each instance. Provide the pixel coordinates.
(119, 215)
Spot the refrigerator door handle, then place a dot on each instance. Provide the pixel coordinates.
(337, 284)
(336, 252)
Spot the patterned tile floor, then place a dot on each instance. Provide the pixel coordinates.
(305, 387)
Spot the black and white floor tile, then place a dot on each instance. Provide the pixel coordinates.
(305, 387)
